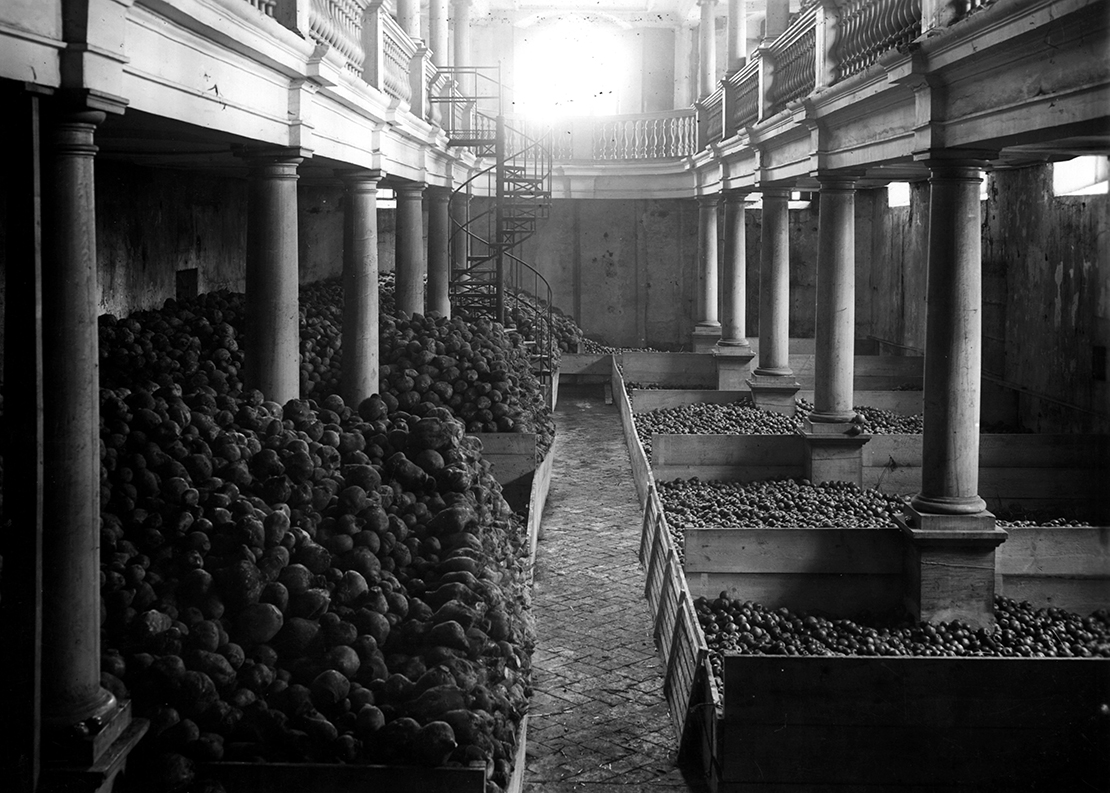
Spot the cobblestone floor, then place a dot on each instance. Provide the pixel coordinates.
(598, 720)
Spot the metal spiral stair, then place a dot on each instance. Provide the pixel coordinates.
(495, 211)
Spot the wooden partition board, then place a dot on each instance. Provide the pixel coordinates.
(512, 459)
(537, 500)
(1066, 567)
(683, 369)
(641, 469)
(678, 637)
(342, 778)
(742, 458)
(573, 363)
(939, 723)
(904, 403)
(648, 399)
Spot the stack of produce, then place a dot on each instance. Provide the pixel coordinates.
(308, 582)
(747, 628)
(694, 504)
(474, 369)
(874, 421)
(741, 417)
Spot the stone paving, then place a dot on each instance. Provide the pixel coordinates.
(598, 720)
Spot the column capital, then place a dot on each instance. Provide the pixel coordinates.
(736, 196)
(703, 3)
(280, 161)
(410, 189)
(367, 178)
(968, 158)
(773, 191)
(830, 181)
(708, 200)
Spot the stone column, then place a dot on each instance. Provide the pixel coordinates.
(437, 31)
(952, 538)
(733, 351)
(833, 440)
(360, 287)
(458, 238)
(708, 328)
(273, 344)
(412, 264)
(439, 257)
(81, 720)
(736, 38)
(408, 17)
(707, 49)
(776, 19)
(773, 384)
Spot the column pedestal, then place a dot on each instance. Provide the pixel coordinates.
(733, 367)
(949, 566)
(774, 393)
(109, 749)
(705, 338)
(834, 452)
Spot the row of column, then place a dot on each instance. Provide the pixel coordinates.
(946, 519)
(51, 350)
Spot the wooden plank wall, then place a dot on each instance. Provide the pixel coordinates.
(682, 369)
(646, 399)
(838, 572)
(1057, 566)
(512, 459)
(883, 723)
(872, 372)
(742, 458)
(641, 469)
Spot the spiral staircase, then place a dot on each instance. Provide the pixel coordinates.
(495, 211)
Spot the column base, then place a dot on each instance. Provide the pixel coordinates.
(834, 452)
(774, 393)
(92, 763)
(705, 337)
(949, 566)
(733, 366)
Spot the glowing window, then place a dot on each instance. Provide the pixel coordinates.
(898, 194)
(1081, 176)
(574, 66)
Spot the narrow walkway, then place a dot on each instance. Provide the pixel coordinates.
(598, 722)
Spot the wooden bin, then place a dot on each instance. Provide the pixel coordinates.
(883, 723)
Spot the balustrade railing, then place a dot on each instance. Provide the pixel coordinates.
(265, 6)
(793, 60)
(337, 23)
(711, 119)
(742, 97)
(389, 68)
(649, 136)
(869, 28)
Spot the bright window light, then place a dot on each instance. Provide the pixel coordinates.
(898, 194)
(1081, 176)
(574, 66)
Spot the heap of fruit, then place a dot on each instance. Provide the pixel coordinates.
(474, 369)
(309, 582)
(695, 504)
(747, 628)
(874, 421)
(741, 417)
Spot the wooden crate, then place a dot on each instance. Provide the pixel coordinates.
(872, 372)
(812, 723)
(740, 458)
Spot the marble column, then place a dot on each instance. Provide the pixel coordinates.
(272, 355)
(707, 48)
(412, 263)
(437, 31)
(408, 17)
(773, 384)
(707, 329)
(736, 38)
(833, 440)
(439, 255)
(360, 287)
(733, 351)
(951, 537)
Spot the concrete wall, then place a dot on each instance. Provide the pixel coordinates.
(152, 223)
(626, 269)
